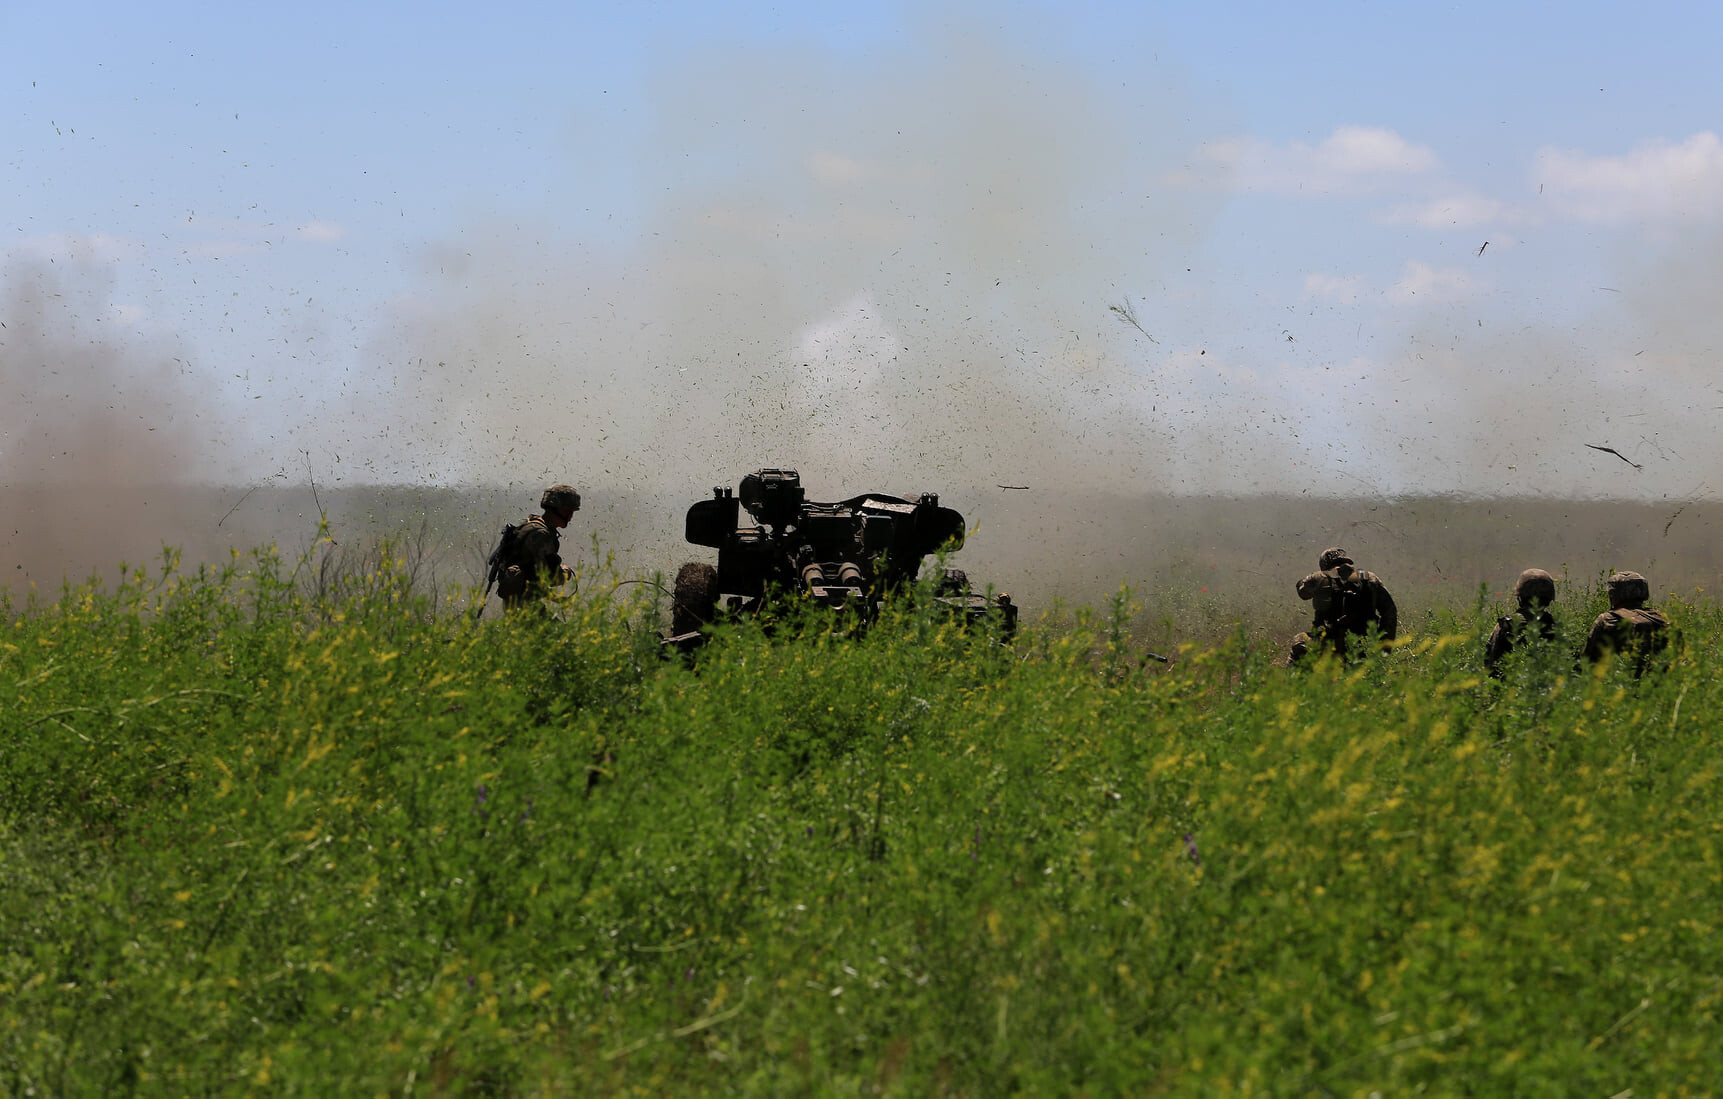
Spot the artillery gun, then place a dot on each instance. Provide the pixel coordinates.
(850, 556)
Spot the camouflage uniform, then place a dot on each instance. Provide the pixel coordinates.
(1346, 601)
(1629, 627)
(531, 562)
(1535, 591)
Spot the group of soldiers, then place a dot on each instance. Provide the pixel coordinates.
(1349, 603)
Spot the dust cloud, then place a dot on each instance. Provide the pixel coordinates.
(897, 271)
(900, 270)
(96, 431)
(892, 269)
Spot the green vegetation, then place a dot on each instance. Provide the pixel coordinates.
(264, 834)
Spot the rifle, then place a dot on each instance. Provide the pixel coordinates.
(495, 564)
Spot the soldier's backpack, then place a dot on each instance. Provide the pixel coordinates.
(1352, 606)
(502, 571)
(1646, 634)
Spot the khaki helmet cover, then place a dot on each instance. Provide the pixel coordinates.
(1535, 586)
(562, 498)
(1629, 589)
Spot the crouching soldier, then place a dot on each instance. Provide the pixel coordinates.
(527, 561)
(1629, 628)
(1347, 602)
(1535, 591)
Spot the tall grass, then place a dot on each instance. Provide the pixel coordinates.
(316, 838)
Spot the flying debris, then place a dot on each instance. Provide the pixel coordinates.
(1672, 519)
(259, 485)
(1015, 488)
(1127, 314)
(1702, 490)
(1617, 453)
(1483, 246)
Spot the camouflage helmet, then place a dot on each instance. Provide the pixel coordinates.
(561, 498)
(1331, 557)
(1628, 589)
(1535, 586)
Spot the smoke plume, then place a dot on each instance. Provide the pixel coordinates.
(894, 269)
(101, 422)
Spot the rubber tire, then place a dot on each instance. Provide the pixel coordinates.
(695, 599)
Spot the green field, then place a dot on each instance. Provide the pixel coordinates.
(269, 829)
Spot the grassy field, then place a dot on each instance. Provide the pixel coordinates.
(268, 831)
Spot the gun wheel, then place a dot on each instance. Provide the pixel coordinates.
(695, 598)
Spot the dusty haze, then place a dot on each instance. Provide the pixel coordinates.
(827, 273)
(1197, 566)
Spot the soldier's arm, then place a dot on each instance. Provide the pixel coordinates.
(1598, 641)
(1308, 586)
(1501, 640)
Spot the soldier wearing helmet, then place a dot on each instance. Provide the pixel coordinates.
(527, 562)
(1629, 627)
(1347, 602)
(1535, 591)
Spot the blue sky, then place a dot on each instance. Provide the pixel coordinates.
(649, 246)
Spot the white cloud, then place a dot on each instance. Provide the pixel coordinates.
(1658, 180)
(835, 168)
(97, 248)
(1355, 150)
(223, 249)
(1352, 160)
(1343, 289)
(322, 232)
(1463, 210)
(1419, 284)
(1422, 284)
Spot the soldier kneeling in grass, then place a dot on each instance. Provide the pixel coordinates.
(1347, 603)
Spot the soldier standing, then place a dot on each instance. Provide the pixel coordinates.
(1347, 601)
(1629, 627)
(1535, 591)
(527, 561)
